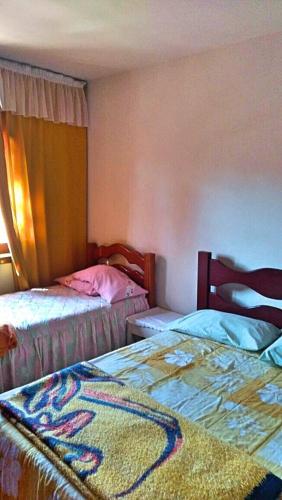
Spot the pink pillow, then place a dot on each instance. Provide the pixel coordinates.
(110, 283)
(75, 284)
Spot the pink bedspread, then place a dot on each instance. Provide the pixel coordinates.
(57, 327)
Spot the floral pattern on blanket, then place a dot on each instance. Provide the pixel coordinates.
(271, 394)
(179, 358)
(229, 391)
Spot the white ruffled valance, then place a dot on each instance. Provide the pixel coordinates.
(29, 91)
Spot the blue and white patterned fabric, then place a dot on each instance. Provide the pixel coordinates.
(231, 392)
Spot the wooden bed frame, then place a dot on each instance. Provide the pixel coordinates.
(145, 262)
(266, 281)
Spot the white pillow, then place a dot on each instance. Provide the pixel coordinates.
(273, 353)
(227, 328)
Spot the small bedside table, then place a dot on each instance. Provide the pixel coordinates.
(149, 323)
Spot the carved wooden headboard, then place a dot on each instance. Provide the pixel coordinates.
(266, 281)
(143, 276)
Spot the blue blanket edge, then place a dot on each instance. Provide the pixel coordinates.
(270, 488)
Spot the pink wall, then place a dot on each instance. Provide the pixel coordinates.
(187, 156)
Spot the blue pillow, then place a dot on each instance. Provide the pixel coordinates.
(226, 328)
(273, 353)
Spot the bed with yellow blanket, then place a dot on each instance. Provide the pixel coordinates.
(85, 433)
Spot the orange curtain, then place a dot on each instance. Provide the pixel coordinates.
(46, 197)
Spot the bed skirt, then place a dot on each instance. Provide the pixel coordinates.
(55, 345)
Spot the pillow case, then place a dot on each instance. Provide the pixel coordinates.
(227, 328)
(273, 353)
(79, 286)
(110, 283)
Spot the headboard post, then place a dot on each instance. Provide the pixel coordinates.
(92, 253)
(149, 277)
(203, 280)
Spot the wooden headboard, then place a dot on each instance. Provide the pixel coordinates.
(266, 281)
(144, 277)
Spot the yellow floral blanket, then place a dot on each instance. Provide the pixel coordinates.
(112, 441)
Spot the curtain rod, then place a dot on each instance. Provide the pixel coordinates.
(38, 68)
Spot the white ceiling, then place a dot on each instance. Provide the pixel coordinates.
(93, 38)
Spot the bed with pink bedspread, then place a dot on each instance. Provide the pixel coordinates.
(57, 327)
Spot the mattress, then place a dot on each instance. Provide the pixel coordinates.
(57, 327)
(230, 392)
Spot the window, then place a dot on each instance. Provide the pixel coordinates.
(3, 236)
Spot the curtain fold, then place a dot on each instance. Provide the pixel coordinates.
(10, 223)
(43, 197)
